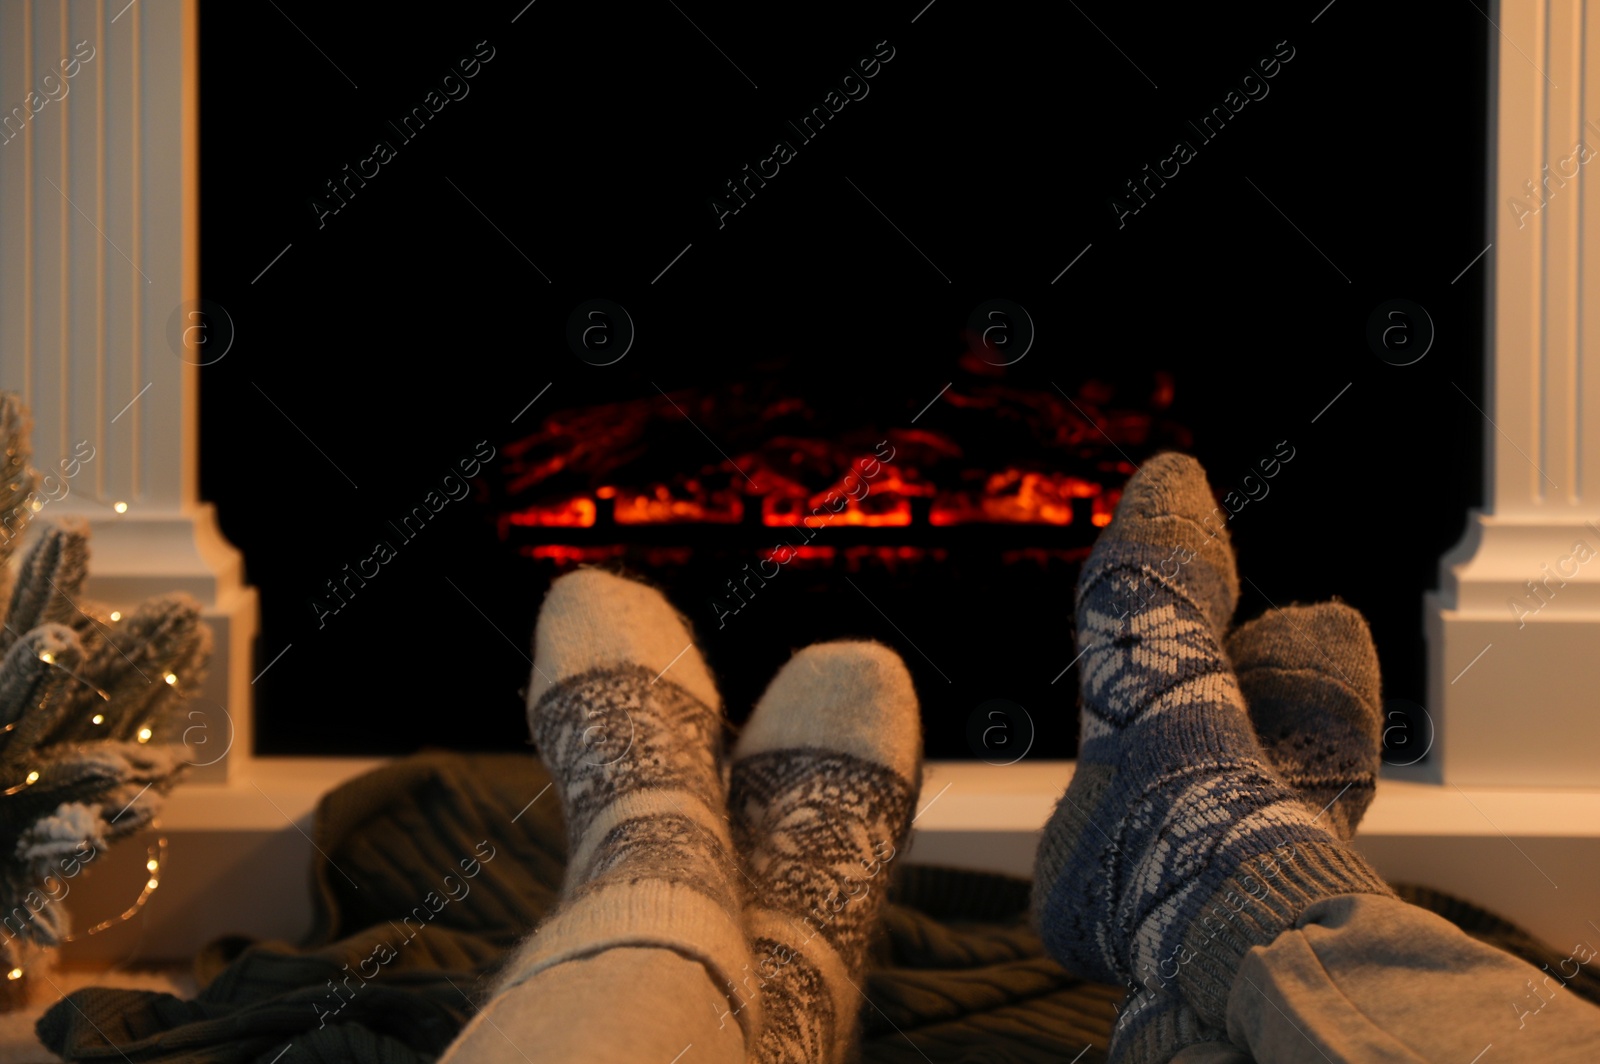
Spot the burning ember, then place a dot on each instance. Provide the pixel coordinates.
(1041, 459)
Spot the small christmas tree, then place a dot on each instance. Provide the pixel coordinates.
(91, 717)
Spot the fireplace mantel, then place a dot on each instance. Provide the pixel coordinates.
(106, 172)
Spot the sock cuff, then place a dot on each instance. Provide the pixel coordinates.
(667, 805)
(660, 914)
(1161, 1027)
(1255, 905)
(814, 949)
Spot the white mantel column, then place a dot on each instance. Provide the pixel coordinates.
(99, 247)
(1514, 630)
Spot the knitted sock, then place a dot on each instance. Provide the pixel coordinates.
(1157, 856)
(1310, 677)
(825, 777)
(629, 722)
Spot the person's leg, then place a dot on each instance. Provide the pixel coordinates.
(1211, 1053)
(1315, 958)
(629, 722)
(1158, 856)
(571, 1013)
(825, 776)
(1362, 978)
(1309, 675)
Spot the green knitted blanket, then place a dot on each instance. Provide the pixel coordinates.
(428, 873)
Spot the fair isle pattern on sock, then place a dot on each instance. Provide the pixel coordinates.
(817, 825)
(649, 860)
(1173, 807)
(1309, 675)
(798, 1025)
(823, 787)
(629, 722)
(818, 828)
(614, 736)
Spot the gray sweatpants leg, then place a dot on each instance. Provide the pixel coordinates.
(1363, 978)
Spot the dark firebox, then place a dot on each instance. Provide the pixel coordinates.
(775, 515)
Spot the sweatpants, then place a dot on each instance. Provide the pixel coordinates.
(1367, 979)
(1359, 979)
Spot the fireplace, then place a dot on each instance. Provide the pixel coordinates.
(774, 515)
(1515, 718)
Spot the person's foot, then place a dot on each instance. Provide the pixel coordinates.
(629, 722)
(1156, 854)
(825, 776)
(1309, 675)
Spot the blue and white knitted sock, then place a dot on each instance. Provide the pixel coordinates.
(1176, 848)
(1310, 677)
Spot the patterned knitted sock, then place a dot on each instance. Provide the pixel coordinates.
(629, 722)
(825, 777)
(1157, 857)
(1310, 677)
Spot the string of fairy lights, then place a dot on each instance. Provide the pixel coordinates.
(155, 858)
(155, 853)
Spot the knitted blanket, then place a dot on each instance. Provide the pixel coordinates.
(430, 868)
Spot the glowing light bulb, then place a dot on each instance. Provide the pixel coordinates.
(144, 735)
(116, 615)
(98, 718)
(120, 507)
(153, 884)
(36, 505)
(151, 865)
(15, 973)
(33, 777)
(47, 657)
(171, 677)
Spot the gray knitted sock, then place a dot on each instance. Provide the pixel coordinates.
(1309, 675)
(1176, 843)
(825, 777)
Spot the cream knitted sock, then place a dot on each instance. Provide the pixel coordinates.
(627, 718)
(825, 777)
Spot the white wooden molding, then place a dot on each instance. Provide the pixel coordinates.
(236, 865)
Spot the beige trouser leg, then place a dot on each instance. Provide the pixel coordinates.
(624, 1006)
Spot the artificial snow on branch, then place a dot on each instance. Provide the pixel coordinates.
(91, 706)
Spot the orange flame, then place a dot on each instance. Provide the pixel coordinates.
(572, 513)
